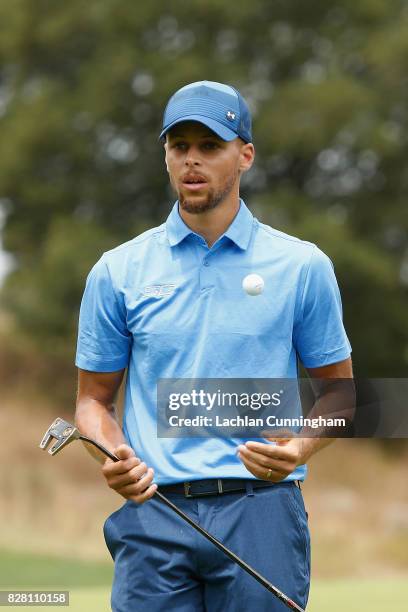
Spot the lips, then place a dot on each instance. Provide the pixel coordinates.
(194, 182)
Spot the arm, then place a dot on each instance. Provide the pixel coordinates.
(283, 458)
(342, 369)
(96, 418)
(95, 414)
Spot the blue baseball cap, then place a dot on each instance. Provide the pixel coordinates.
(220, 107)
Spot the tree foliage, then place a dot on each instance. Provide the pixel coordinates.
(82, 91)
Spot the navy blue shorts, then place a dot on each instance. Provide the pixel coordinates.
(163, 564)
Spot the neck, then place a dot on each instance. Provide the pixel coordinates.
(213, 223)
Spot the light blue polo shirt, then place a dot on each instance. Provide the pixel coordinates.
(167, 306)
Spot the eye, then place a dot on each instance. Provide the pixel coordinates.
(210, 145)
(179, 146)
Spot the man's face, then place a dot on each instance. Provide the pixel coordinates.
(203, 168)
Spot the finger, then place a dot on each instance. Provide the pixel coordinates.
(124, 451)
(140, 499)
(145, 481)
(278, 435)
(280, 467)
(272, 451)
(136, 488)
(111, 468)
(118, 480)
(130, 477)
(262, 473)
(259, 459)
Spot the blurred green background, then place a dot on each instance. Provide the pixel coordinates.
(82, 91)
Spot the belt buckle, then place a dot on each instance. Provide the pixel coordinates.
(187, 486)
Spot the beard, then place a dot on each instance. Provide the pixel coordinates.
(213, 199)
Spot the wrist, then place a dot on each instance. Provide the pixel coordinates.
(310, 446)
(301, 452)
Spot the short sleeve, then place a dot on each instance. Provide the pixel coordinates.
(319, 335)
(103, 338)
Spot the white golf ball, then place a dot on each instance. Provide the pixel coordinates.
(253, 284)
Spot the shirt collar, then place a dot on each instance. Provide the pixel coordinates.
(239, 231)
(176, 229)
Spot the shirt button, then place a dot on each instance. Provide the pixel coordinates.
(206, 262)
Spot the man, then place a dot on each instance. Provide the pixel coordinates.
(170, 304)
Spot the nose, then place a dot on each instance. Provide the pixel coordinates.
(192, 157)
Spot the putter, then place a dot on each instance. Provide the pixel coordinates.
(64, 433)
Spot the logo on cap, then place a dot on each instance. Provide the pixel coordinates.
(230, 115)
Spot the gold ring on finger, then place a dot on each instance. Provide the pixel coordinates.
(269, 474)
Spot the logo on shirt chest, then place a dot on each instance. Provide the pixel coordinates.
(158, 291)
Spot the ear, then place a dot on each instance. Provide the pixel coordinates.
(247, 156)
(165, 156)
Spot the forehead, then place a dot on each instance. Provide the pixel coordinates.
(192, 129)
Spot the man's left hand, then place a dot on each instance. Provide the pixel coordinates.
(272, 462)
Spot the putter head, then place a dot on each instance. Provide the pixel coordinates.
(63, 432)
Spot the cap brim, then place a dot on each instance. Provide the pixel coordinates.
(221, 130)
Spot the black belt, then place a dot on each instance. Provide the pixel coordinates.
(217, 486)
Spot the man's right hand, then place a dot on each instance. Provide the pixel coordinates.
(129, 477)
